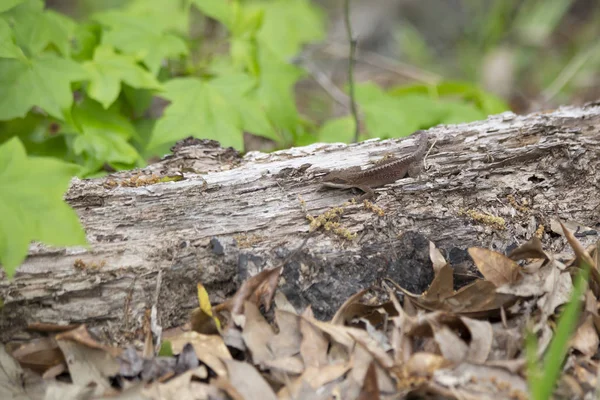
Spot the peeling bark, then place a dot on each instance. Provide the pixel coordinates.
(232, 217)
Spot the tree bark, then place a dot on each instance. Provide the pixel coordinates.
(493, 184)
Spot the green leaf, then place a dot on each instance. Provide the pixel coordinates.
(219, 109)
(85, 39)
(36, 28)
(488, 103)
(455, 112)
(393, 116)
(275, 91)
(288, 24)
(8, 48)
(44, 81)
(337, 130)
(32, 205)
(8, 4)
(219, 10)
(141, 36)
(166, 15)
(41, 135)
(103, 135)
(108, 69)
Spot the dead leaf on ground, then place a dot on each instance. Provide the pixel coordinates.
(495, 267)
(39, 355)
(437, 258)
(259, 290)
(287, 341)
(16, 383)
(88, 361)
(210, 349)
(370, 388)
(585, 338)
(187, 386)
(257, 334)
(472, 380)
(340, 315)
(313, 346)
(530, 249)
(247, 381)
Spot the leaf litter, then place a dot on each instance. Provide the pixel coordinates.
(444, 343)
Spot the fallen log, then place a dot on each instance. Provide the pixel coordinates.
(221, 219)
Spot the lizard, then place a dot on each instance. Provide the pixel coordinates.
(385, 171)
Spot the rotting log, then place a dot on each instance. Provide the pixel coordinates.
(493, 183)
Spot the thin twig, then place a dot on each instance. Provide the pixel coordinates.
(377, 60)
(352, 41)
(328, 86)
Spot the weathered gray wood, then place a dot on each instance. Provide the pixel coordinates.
(189, 230)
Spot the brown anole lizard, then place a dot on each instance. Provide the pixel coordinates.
(386, 171)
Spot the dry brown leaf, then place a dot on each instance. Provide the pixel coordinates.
(39, 355)
(210, 349)
(16, 383)
(82, 336)
(257, 334)
(452, 347)
(288, 365)
(248, 381)
(425, 364)
(531, 249)
(437, 258)
(315, 378)
(441, 287)
(495, 267)
(370, 387)
(259, 289)
(340, 315)
(474, 381)
(203, 323)
(313, 346)
(283, 304)
(183, 387)
(482, 337)
(477, 299)
(585, 338)
(88, 365)
(580, 252)
(362, 358)
(287, 342)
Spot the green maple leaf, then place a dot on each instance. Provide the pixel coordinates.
(108, 69)
(35, 28)
(8, 48)
(141, 36)
(32, 205)
(43, 81)
(218, 109)
(288, 24)
(389, 116)
(220, 10)
(275, 90)
(102, 136)
(8, 4)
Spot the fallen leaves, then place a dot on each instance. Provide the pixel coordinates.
(466, 343)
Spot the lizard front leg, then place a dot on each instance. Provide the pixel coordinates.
(368, 192)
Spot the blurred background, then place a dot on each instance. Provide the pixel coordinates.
(265, 75)
(535, 54)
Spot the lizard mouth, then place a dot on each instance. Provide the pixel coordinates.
(337, 183)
